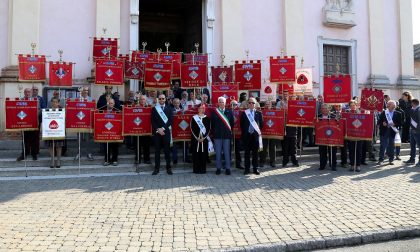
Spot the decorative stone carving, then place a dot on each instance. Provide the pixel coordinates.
(339, 13)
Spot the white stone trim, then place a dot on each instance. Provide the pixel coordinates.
(352, 44)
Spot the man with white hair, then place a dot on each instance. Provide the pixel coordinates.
(390, 121)
(222, 124)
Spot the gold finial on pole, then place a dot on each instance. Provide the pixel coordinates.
(193, 57)
(301, 62)
(144, 44)
(282, 52)
(60, 52)
(167, 44)
(247, 54)
(197, 45)
(223, 59)
(20, 89)
(104, 31)
(159, 51)
(33, 46)
(109, 52)
(337, 68)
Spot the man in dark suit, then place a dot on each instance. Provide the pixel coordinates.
(102, 101)
(162, 136)
(222, 125)
(390, 121)
(414, 131)
(251, 125)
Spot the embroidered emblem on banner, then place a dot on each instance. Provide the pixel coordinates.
(183, 125)
(105, 51)
(137, 121)
(270, 123)
(81, 115)
(248, 76)
(109, 126)
(21, 115)
(301, 112)
(135, 71)
(193, 75)
(329, 132)
(60, 73)
(32, 69)
(357, 124)
(283, 70)
(372, 100)
(223, 76)
(109, 73)
(157, 77)
(337, 89)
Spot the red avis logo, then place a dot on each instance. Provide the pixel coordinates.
(53, 125)
(302, 79)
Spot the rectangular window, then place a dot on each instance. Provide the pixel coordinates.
(334, 54)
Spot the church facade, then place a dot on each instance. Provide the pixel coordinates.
(371, 40)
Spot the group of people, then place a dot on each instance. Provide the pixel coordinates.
(212, 131)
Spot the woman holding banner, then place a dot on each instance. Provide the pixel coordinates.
(55, 146)
(200, 140)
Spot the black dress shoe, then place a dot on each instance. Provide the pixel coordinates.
(240, 167)
(284, 164)
(155, 172)
(227, 172)
(321, 168)
(175, 162)
(256, 172)
(169, 171)
(363, 163)
(20, 158)
(334, 168)
(147, 162)
(410, 161)
(272, 165)
(218, 171)
(34, 157)
(295, 164)
(247, 171)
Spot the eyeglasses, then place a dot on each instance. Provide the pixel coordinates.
(251, 102)
(161, 99)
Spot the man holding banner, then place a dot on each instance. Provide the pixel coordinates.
(390, 121)
(222, 123)
(251, 125)
(162, 135)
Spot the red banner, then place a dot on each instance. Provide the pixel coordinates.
(282, 70)
(248, 75)
(329, 132)
(372, 99)
(175, 58)
(181, 129)
(301, 113)
(157, 75)
(21, 115)
(237, 122)
(193, 76)
(359, 126)
(107, 127)
(200, 58)
(337, 89)
(221, 74)
(140, 56)
(109, 72)
(273, 123)
(31, 68)
(79, 115)
(134, 70)
(136, 121)
(61, 74)
(104, 48)
(227, 90)
(286, 88)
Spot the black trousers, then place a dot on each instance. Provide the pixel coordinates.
(31, 142)
(355, 149)
(289, 149)
(143, 147)
(270, 149)
(199, 161)
(159, 143)
(238, 148)
(328, 154)
(251, 148)
(343, 151)
(112, 155)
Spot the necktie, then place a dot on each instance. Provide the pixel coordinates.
(251, 129)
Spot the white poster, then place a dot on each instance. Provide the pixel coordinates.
(53, 124)
(268, 92)
(303, 84)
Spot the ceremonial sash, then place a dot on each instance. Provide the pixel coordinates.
(255, 126)
(389, 119)
(165, 120)
(223, 117)
(204, 131)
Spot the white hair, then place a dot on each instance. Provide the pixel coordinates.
(393, 102)
(221, 99)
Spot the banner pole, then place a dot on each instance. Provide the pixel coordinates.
(79, 151)
(183, 152)
(355, 156)
(301, 135)
(107, 151)
(138, 155)
(24, 153)
(53, 155)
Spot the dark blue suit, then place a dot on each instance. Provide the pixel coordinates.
(387, 134)
(222, 137)
(162, 141)
(250, 140)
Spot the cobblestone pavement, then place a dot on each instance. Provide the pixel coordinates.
(205, 212)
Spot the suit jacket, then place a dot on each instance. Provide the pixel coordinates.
(415, 116)
(220, 130)
(157, 121)
(396, 118)
(245, 125)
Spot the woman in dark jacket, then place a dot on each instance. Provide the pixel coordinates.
(200, 129)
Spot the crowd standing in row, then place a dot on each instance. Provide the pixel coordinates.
(212, 131)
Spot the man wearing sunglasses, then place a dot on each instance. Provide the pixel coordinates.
(162, 135)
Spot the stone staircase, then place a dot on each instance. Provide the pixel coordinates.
(11, 149)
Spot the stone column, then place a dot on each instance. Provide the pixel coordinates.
(377, 46)
(406, 77)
